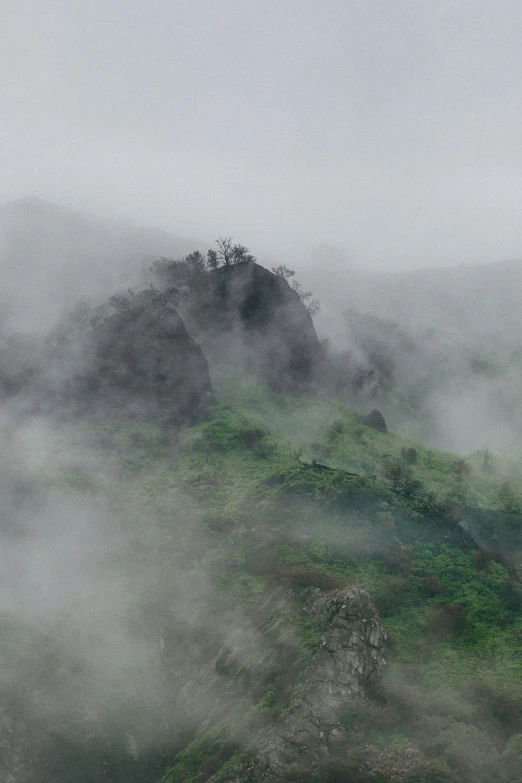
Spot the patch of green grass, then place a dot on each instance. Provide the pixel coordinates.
(240, 497)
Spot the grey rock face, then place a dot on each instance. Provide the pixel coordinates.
(148, 360)
(247, 314)
(349, 661)
(142, 361)
(375, 420)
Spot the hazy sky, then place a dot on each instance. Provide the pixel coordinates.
(393, 129)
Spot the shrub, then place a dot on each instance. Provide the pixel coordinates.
(510, 595)
(461, 467)
(334, 430)
(312, 305)
(448, 619)
(507, 497)
(409, 455)
(250, 436)
(397, 558)
(483, 557)
(358, 434)
(450, 513)
(433, 585)
(498, 702)
(486, 459)
(395, 591)
(467, 750)
(400, 476)
(300, 578)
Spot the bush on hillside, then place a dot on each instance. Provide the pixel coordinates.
(448, 619)
(400, 476)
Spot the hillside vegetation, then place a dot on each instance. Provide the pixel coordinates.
(236, 502)
(182, 590)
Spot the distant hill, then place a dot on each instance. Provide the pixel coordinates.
(444, 345)
(475, 301)
(51, 256)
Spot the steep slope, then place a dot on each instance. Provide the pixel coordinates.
(210, 602)
(209, 619)
(451, 610)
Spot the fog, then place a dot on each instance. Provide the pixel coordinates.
(373, 148)
(390, 130)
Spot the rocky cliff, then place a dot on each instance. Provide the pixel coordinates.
(139, 360)
(144, 359)
(349, 661)
(248, 314)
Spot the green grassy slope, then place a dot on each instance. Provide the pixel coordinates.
(273, 525)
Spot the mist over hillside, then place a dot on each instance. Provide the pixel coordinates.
(473, 302)
(260, 392)
(51, 256)
(442, 346)
(445, 346)
(218, 566)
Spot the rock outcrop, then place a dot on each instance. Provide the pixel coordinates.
(375, 420)
(249, 315)
(349, 661)
(145, 360)
(140, 359)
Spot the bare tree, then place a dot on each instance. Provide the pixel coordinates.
(133, 303)
(283, 271)
(400, 476)
(228, 254)
(307, 298)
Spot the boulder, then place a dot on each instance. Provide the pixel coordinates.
(245, 314)
(145, 360)
(375, 420)
(141, 360)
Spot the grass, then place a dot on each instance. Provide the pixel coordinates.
(240, 496)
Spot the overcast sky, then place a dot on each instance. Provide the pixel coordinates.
(391, 129)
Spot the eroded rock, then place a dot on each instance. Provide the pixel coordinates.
(348, 663)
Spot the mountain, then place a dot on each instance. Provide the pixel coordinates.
(51, 256)
(208, 577)
(134, 352)
(474, 302)
(249, 316)
(212, 604)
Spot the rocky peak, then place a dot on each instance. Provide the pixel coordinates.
(375, 420)
(246, 312)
